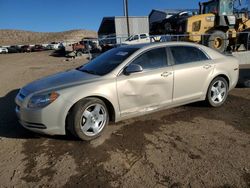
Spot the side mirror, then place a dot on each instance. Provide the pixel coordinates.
(133, 68)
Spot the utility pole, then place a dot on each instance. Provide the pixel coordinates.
(125, 5)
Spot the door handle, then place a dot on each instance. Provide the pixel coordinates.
(207, 66)
(166, 74)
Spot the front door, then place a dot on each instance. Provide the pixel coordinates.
(148, 90)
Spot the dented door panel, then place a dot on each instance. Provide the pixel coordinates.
(145, 91)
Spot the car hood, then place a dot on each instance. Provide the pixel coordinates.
(59, 80)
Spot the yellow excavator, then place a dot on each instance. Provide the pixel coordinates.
(218, 23)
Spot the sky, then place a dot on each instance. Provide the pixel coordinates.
(61, 15)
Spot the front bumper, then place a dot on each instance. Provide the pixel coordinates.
(34, 121)
(49, 120)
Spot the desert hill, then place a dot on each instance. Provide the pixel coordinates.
(14, 37)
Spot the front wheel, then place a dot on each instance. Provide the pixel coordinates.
(88, 118)
(217, 92)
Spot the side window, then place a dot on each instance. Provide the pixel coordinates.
(143, 36)
(187, 54)
(152, 59)
(136, 37)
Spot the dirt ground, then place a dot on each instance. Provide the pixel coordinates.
(189, 146)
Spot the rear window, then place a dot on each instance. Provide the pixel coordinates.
(187, 54)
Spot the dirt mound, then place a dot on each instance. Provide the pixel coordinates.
(16, 37)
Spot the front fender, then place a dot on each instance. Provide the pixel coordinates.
(101, 90)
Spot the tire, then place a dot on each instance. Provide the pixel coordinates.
(218, 41)
(217, 92)
(88, 119)
(79, 53)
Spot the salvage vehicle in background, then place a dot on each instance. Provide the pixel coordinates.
(217, 25)
(221, 21)
(173, 24)
(92, 45)
(3, 50)
(82, 47)
(25, 48)
(75, 49)
(126, 82)
(137, 39)
(54, 46)
(37, 48)
(108, 42)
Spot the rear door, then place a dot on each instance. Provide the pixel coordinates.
(147, 90)
(192, 69)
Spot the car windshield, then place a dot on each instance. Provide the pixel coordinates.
(108, 61)
(130, 38)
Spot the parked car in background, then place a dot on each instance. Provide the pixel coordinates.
(3, 50)
(37, 48)
(82, 47)
(14, 49)
(25, 48)
(107, 42)
(126, 82)
(138, 39)
(54, 46)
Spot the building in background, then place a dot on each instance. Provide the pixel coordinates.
(116, 27)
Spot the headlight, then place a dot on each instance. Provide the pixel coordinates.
(210, 18)
(42, 100)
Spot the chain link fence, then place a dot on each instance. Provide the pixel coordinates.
(94, 46)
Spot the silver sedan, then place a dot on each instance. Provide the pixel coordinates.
(126, 82)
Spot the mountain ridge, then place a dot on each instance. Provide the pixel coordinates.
(22, 37)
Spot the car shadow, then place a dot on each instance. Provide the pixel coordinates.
(9, 126)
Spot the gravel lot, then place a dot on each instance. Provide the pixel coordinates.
(189, 146)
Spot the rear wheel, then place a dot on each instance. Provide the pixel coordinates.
(88, 118)
(217, 92)
(218, 41)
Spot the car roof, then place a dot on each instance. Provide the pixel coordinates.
(141, 47)
(158, 44)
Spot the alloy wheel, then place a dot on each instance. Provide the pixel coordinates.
(218, 92)
(93, 119)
